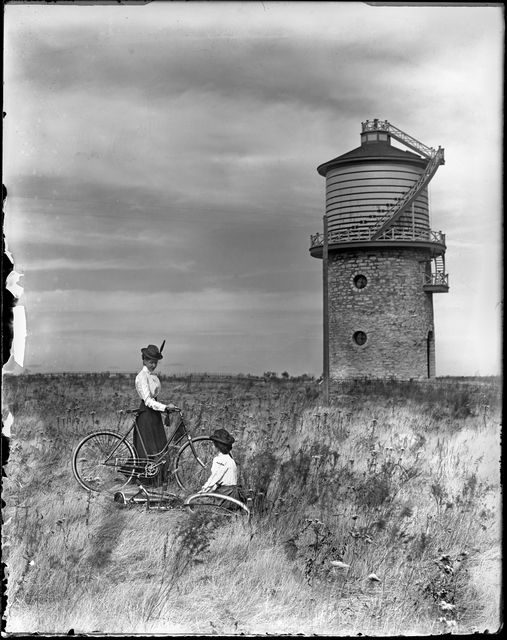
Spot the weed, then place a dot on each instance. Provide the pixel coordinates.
(191, 542)
(380, 481)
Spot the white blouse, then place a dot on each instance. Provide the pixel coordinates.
(148, 387)
(223, 471)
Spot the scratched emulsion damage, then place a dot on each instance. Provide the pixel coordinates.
(9, 297)
(14, 342)
(18, 339)
(14, 327)
(13, 354)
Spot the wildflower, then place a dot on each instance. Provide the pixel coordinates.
(449, 623)
(445, 606)
(373, 578)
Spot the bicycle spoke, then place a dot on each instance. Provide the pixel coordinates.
(102, 462)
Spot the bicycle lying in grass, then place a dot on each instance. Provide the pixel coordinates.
(106, 461)
(211, 503)
(216, 503)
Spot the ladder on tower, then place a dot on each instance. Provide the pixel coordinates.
(439, 262)
(435, 159)
(437, 279)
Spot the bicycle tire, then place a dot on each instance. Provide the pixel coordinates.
(191, 472)
(216, 503)
(90, 469)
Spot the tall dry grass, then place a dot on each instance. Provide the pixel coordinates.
(396, 480)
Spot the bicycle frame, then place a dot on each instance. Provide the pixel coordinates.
(101, 454)
(155, 458)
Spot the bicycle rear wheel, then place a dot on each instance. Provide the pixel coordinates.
(193, 463)
(102, 462)
(216, 503)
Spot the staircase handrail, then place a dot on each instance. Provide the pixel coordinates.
(435, 159)
(412, 194)
(401, 136)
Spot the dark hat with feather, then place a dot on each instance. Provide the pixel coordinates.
(152, 352)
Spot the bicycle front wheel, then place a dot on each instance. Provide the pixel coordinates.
(216, 503)
(103, 461)
(193, 463)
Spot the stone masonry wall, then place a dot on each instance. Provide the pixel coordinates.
(392, 310)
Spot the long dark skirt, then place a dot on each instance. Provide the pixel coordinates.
(232, 490)
(149, 440)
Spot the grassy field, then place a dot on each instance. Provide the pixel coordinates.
(379, 514)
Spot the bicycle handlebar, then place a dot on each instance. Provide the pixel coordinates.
(176, 409)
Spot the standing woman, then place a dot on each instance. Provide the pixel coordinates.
(150, 437)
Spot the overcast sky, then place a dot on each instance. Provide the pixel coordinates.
(160, 163)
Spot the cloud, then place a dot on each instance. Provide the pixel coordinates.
(163, 157)
(172, 249)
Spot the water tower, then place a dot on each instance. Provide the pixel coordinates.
(381, 261)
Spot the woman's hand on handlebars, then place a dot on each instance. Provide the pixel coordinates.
(171, 407)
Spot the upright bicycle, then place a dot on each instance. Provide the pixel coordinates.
(106, 461)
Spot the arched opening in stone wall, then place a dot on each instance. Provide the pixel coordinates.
(430, 354)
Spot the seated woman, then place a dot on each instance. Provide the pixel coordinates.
(150, 436)
(224, 471)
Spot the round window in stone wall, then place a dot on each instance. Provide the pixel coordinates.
(360, 337)
(360, 282)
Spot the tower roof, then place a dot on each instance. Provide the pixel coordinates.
(378, 150)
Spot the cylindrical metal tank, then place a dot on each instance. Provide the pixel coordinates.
(362, 184)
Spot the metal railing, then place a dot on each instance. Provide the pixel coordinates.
(384, 125)
(364, 234)
(435, 159)
(412, 194)
(436, 279)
